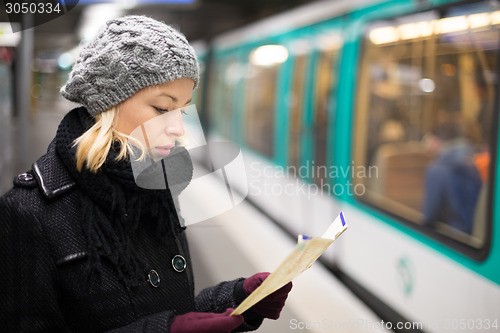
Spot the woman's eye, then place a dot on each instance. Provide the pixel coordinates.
(160, 110)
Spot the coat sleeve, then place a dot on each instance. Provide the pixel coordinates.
(215, 299)
(228, 294)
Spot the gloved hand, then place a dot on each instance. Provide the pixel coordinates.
(271, 306)
(206, 322)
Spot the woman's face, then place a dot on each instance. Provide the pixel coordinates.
(163, 100)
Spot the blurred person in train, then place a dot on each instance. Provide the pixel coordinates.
(453, 182)
(83, 248)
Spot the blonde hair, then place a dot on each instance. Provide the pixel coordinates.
(94, 145)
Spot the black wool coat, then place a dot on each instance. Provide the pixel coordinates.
(44, 284)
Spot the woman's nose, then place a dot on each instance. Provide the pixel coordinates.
(174, 125)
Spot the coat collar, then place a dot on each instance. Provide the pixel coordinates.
(52, 177)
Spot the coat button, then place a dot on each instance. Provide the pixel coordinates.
(25, 177)
(179, 263)
(153, 278)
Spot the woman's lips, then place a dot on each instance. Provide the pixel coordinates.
(163, 150)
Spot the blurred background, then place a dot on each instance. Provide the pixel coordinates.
(35, 63)
(385, 110)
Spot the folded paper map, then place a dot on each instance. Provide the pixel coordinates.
(301, 258)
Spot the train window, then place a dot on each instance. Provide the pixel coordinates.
(424, 119)
(296, 107)
(221, 103)
(323, 87)
(260, 97)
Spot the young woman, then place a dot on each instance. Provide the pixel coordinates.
(82, 247)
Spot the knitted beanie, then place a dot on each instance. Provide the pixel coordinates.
(128, 54)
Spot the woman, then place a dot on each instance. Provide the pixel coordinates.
(83, 248)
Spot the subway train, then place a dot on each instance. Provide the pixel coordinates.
(387, 111)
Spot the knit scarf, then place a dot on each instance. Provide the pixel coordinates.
(112, 204)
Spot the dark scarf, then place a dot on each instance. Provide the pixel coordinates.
(112, 203)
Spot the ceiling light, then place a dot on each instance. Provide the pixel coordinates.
(269, 55)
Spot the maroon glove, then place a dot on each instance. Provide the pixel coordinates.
(271, 306)
(206, 322)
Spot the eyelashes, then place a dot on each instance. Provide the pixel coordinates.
(161, 111)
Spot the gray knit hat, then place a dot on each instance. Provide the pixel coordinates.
(128, 54)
